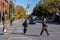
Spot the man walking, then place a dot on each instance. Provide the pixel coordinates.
(11, 22)
(44, 26)
(3, 23)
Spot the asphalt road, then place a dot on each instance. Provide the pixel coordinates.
(15, 32)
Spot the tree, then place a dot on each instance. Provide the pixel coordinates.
(45, 8)
(19, 12)
(11, 9)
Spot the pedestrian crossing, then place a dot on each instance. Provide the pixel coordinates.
(21, 38)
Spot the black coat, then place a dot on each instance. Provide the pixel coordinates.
(25, 24)
(44, 24)
(3, 19)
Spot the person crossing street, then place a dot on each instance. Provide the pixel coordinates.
(25, 25)
(44, 26)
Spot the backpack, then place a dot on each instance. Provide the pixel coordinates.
(23, 24)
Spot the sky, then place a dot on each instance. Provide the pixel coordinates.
(25, 2)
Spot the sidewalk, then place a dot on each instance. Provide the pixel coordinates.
(8, 24)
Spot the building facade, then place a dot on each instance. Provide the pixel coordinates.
(3, 8)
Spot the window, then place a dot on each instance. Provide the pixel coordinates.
(2, 4)
(6, 0)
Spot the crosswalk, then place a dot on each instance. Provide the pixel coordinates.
(21, 38)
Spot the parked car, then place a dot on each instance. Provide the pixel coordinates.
(37, 20)
(32, 21)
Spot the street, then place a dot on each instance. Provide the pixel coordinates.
(15, 32)
(16, 14)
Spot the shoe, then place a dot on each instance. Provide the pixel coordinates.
(48, 34)
(40, 34)
(24, 33)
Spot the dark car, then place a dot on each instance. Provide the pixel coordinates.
(32, 21)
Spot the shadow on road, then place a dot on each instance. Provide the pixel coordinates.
(34, 35)
(17, 33)
(26, 34)
(52, 22)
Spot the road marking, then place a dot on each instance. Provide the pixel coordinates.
(21, 38)
(9, 38)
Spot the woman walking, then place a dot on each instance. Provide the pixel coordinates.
(25, 25)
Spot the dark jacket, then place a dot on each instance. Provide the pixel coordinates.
(44, 24)
(25, 23)
(3, 19)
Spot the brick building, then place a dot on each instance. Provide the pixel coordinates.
(3, 7)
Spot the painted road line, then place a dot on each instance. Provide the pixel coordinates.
(28, 38)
